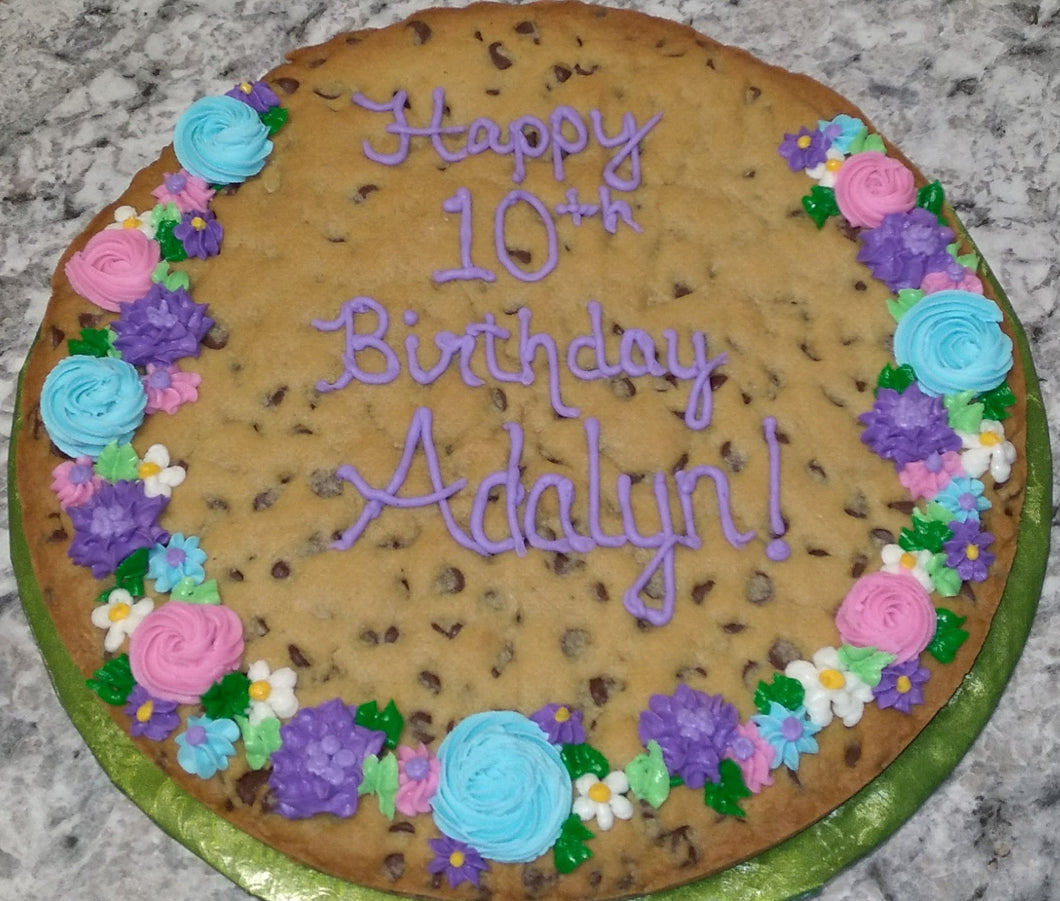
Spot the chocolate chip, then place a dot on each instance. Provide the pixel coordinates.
(524, 27)
(281, 569)
(562, 73)
(523, 256)
(782, 653)
(683, 846)
(325, 483)
(857, 569)
(817, 552)
(622, 387)
(234, 575)
(56, 336)
(499, 399)
(573, 642)
(904, 507)
(391, 635)
(450, 581)
(287, 84)
(257, 627)
(733, 458)
(733, 628)
(421, 31)
(265, 499)
(581, 71)
(562, 565)
(752, 94)
(701, 590)
(394, 865)
(364, 192)
(681, 290)
(817, 471)
(809, 352)
(297, 657)
(536, 882)
(402, 826)
(250, 783)
(275, 398)
(90, 320)
(881, 537)
(717, 379)
(759, 588)
(430, 681)
(216, 338)
(369, 637)
(57, 535)
(600, 592)
(602, 687)
(215, 503)
(853, 753)
(329, 91)
(498, 58)
(505, 656)
(450, 631)
(419, 721)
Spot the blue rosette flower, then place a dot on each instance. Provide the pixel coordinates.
(953, 341)
(221, 140)
(88, 402)
(503, 789)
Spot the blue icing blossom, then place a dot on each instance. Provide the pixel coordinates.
(181, 558)
(221, 140)
(87, 402)
(953, 341)
(206, 745)
(843, 130)
(503, 788)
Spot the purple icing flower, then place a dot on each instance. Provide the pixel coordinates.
(150, 717)
(257, 95)
(805, 149)
(967, 551)
(161, 327)
(693, 729)
(901, 685)
(562, 724)
(318, 768)
(908, 426)
(200, 233)
(113, 523)
(458, 860)
(905, 247)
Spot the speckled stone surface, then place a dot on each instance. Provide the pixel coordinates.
(970, 91)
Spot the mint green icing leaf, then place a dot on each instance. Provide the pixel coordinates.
(165, 214)
(947, 581)
(132, 571)
(967, 260)
(874, 142)
(570, 849)
(380, 776)
(113, 681)
(906, 299)
(865, 141)
(94, 342)
(582, 759)
(648, 777)
(949, 635)
(963, 412)
(785, 691)
(724, 796)
(186, 590)
(996, 402)
(820, 204)
(936, 512)
(172, 248)
(118, 463)
(227, 698)
(388, 720)
(927, 534)
(178, 278)
(932, 197)
(259, 741)
(274, 119)
(865, 663)
(897, 379)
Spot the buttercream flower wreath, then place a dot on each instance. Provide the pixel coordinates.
(505, 786)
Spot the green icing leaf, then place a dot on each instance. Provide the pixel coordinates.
(186, 590)
(937, 512)
(165, 214)
(274, 119)
(865, 663)
(932, 197)
(907, 298)
(949, 635)
(113, 681)
(787, 692)
(648, 777)
(874, 142)
(997, 401)
(865, 141)
(969, 261)
(820, 204)
(94, 342)
(724, 796)
(927, 534)
(118, 463)
(570, 849)
(259, 741)
(582, 759)
(964, 413)
(227, 698)
(388, 720)
(380, 776)
(178, 278)
(132, 571)
(172, 248)
(947, 581)
(898, 379)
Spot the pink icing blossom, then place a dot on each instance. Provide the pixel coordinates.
(944, 281)
(75, 481)
(891, 612)
(754, 755)
(188, 192)
(926, 478)
(169, 387)
(181, 649)
(418, 773)
(115, 267)
(870, 185)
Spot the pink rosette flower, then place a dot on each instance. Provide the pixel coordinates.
(891, 612)
(754, 755)
(114, 267)
(870, 185)
(75, 481)
(187, 192)
(169, 388)
(181, 649)
(418, 772)
(955, 278)
(926, 478)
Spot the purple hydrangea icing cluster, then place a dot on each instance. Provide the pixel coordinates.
(114, 522)
(161, 327)
(694, 731)
(905, 247)
(908, 426)
(318, 769)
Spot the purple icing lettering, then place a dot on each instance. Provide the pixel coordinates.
(436, 130)
(396, 107)
(522, 146)
(596, 531)
(490, 331)
(468, 271)
(565, 115)
(499, 231)
(628, 140)
(687, 479)
(635, 338)
(611, 211)
(508, 480)
(529, 344)
(594, 343)
(778, 549)
(359, 343)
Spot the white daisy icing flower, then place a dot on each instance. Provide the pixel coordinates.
(159, 478)
(127, 217)
(988, 451)
(603, 799)
(271, 692)
(825, 173)
(831, 689)
(120, 616)
(913, 563)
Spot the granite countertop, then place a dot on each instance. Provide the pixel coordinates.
(971, 92)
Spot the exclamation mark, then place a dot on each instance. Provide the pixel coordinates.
(778, 548)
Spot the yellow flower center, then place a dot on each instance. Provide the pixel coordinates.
(902, 684)
(804, 142)
(146, 469)
(131, 222)
(989, 439)
(908, 560)
(456, 859)
(144, 711)
(599, 793)
(260, 690)
(198, 223)
(562, 715)
(972, 552)
(118, 612)
(832, 679)
(833, 165)
(246, 87)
